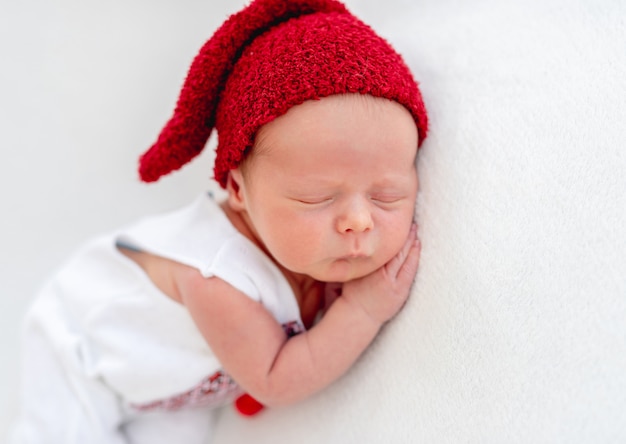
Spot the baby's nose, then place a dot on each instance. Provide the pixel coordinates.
(356, 218)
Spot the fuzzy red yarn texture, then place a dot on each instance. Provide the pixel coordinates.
(265, 59)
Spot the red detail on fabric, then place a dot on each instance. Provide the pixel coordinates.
(293, 328)
(265, 59)
(212, 390)
(247, 405)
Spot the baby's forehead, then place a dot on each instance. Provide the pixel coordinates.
(311, 112)
(338, 126)
(348, 104)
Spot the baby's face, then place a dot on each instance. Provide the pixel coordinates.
(331, 187)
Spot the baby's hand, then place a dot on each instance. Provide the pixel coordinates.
(382, 293)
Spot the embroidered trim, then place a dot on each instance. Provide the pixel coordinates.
(212, 390)
(293, 328)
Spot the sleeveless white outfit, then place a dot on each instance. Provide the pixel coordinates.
(107, 357)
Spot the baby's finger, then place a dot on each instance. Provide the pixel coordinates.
(407, 271)
(394, 265)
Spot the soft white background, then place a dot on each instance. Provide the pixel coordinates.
(85, 87)
(516, 329)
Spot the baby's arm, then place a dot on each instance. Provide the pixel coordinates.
(255, 351)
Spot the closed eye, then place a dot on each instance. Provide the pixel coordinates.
(387, 199)
(314, 201)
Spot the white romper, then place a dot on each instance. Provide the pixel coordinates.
(108, 358)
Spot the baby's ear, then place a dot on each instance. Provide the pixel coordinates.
(235, 189)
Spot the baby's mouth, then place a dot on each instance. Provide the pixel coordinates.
(354, 256)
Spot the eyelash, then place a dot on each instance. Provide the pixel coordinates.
(387, 200)
(380, 200)
(314, 201)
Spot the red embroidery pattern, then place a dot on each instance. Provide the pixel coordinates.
(293, 328)
(212, 390)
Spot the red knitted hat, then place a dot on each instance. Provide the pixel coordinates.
(263, 60)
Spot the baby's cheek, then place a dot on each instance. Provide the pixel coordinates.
(394, 239)
(293, 246)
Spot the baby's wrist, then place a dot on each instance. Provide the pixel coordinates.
(358, 308)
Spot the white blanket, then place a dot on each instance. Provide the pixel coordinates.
(516, 328)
